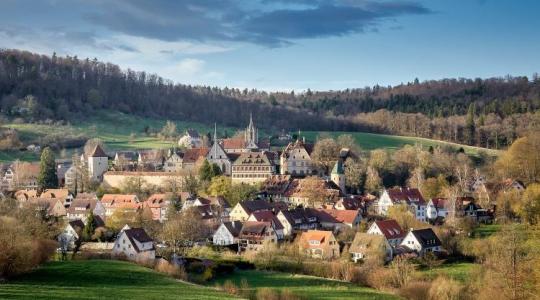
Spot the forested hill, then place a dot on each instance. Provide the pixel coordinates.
(484, 112)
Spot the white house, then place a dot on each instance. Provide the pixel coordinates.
(390, 229)
(411, 197)
(436, 207)
(174, 162)
(135, 244)
(295, 159)
(422, 241)
(70, 235)
(191, 139)
(227, 233)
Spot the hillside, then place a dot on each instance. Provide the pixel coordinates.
(96, 279)
(483, 112)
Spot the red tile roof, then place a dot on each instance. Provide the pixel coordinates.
(192, 155)
(390, 229)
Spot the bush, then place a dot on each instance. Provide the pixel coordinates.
(175, 271)
(443, 288)
(230, 287)
(415, 290)
(267, 294)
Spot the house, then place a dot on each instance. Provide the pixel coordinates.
(190, 139)
(411, 197)
(174, 161)
(50, 207)
(422, 241)
(125, 160)
(390, 229)
(63, 194)
(218, 156)
(296, 160)
(193, 156)
(62, 165)
(208, 215)
(243, 209)
(98, 163)
(112, 202)
(158, 205)
(367, 245)
(268, 216)
(135, 244)
(254, 234)
(333, 219)
(83, 205)
(338, 175)
(251, 168)
(298, 219)
(23, 196)
(71, 234)
(151, 160)
(319, 244)
(219, 205)
(227, 233)
(274, 188)
(437, 207)
(352, 202)
(299, 190)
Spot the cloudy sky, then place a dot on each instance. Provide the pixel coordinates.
(285, 44)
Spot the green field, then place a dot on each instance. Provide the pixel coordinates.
(486, 230)
(459, 271)
(98, 279)
(371, 141)
(307, 287)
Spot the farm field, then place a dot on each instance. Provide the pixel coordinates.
(307, 287)
(100, 279)
(371, 141)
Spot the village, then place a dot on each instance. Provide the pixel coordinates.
(288, 200)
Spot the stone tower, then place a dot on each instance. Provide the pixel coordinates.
(98, 163)
(338, 175)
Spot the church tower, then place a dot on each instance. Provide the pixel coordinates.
(251, 135)
(338, 175)
(98, 163)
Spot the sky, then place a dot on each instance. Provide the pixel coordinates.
(283, 45)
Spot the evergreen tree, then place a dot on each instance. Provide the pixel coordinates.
(90, 227)
(205, 171)
(47, 173)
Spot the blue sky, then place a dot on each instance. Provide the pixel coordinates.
(284, 45)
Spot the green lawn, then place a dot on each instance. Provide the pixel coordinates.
(486, 230)
(371, 141)
(307, 287)
(459, 271)
(99, 279)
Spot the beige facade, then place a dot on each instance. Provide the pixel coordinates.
(295, 160)
(114, 179)
(252, 168)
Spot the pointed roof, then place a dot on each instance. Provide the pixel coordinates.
(338, 168)
(98, 152)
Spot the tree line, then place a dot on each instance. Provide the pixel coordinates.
(484, 112)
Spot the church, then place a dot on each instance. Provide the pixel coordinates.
(249, 142)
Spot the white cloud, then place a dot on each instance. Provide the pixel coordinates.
(190, 66)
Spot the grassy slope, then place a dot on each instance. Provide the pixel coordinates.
(101, 280)
(459, 271)
(371, 141)
(306, 286)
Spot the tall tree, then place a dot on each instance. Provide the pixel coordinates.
(47, 173)
(469, 125)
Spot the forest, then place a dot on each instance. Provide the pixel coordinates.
(491, 113)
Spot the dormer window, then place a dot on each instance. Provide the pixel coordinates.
(314, 242)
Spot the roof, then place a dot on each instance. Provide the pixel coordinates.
(253, 158)
(76, 223)
(439, 203)
(27, 194)
(390, 229)
(302, 214)
(406, 195)
(193, 154)
(192, 133)
(276, 184)
(338, 168)
(297, 187)
(254, 229)
(205, 211)
(251, 206)
(233, 143)
(98, 152)
(267, 216)
(156, 201)
(298, 144)
(127, 155)
(322, 236)
(117, 198)
(341, 216)
(55, 193)
(351, 203)
(82, 205)
(363, 241)
(215, 200)
(426, 237)
(137, 234)
(233, 227)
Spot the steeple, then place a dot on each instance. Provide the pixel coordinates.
(251, 135)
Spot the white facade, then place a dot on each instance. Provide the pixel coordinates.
(223, 236)
(123, 245)
(173, 163)
(418, 209)
(295, 160)
(96, 167)
(412, 243)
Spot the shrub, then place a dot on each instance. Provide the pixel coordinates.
(230, 287)
(173, 270)
(444, 288)
(266, 294)
(415, 290)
